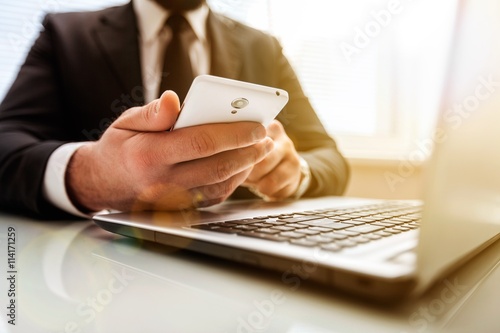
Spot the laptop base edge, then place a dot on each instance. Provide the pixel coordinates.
(293, 273)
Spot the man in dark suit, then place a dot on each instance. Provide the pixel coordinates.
(82, 128)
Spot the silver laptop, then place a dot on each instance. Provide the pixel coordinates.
(376, 248)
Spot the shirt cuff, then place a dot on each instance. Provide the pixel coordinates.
(305, 178)
(54, 184)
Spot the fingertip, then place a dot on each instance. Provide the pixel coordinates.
(169, 100)
(268, 144)
(258, 132)
(158, 115)
(168, 107)
(275, 126)
(275, 122)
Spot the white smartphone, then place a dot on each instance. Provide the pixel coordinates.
(213, 99)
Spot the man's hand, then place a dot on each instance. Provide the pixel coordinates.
(278, 176)
(137, 164)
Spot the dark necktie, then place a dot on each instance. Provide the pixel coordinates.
(177, 73)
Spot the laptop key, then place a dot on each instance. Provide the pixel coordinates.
(383, 233)
(275, 223)
(320, 229)
(383, 224)
(348, 233)
(292, 234)
(354, 222)
(327, 223)
(367, 219)
(297, 226)
(275, 238)
(392, 231)
(365, 229)
(308, 232)
(319, 239)
(298, 219)
(360, 239)
(402, 219)
(334, 235)
(262, 225)
(268, 231)
(346, 243)
(393, 221)
(283, 228)
(372, 236)
(246, 227)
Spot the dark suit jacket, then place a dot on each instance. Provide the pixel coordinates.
(84, 70)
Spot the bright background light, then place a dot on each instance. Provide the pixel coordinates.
(377, 104)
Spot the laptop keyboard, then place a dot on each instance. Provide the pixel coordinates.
(330, 229)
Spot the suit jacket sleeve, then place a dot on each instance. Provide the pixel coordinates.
(329, 169)
(266, 64)
(84, 69)
(31, 128)
(81, 73)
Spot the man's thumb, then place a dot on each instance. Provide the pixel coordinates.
(159, 115)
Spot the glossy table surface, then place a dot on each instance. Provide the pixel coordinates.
(72, 276)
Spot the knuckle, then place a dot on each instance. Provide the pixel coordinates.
(144, 163)
(146, 114)
(124, 116)
(226, 188)
(275, 128)
(259, 152)
(143, 160)
(269, 184)
(202, 143)
(211, 202)
(214, 194)
(224, 169)
(218, 192)
(129, 111)
(293, 163)
(275, 124)
(222, 189)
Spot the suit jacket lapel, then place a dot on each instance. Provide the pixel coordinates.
(225, 51)
(117, 37)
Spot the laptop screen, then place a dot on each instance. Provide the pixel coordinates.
(462, 200)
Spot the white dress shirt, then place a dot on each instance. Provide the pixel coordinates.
(154, 36)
